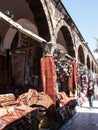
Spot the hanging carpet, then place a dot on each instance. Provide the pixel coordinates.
(48, 72)
(18, 67)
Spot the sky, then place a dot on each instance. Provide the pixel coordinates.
(85, 15)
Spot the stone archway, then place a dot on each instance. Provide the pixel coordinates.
(11, 33)
(88, 62)
(65, 39)
(31, 11)
(92, 66)
(81, 57)
(40, 18)
(11, 42)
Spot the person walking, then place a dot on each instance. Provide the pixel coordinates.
(90, 92)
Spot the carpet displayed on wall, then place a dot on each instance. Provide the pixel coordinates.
(18, 67)
(74, 74)
(72, 79)
(48, 72)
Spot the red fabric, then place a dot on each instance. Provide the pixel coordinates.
(33, 97)
(44, 100)
(65, 100)
(48, 71)
(17, 113)
(22, 98)
(74, 74)
(63, 97)
(70, 78)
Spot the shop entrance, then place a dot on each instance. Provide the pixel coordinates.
(22, 63)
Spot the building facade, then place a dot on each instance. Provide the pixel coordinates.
(43, 63)
(49, 20)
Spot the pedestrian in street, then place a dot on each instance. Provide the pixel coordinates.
(90, 92)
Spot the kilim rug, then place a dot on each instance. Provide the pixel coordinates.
(48, 72)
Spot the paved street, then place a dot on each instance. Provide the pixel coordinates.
(84, 119)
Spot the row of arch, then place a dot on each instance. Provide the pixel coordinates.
(38, 21)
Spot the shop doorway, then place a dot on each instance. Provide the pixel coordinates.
(23, 64)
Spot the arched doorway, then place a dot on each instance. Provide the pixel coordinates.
(32, 17)
(81, 55)
(88, 62)
(92, 66)
(40, 18)
(23, 63)
(64, 38)
(27, 48)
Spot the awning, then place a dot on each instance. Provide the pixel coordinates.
(20, 28)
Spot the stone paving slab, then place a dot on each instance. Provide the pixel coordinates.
(84, 119)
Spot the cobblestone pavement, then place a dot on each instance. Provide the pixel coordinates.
(84, 119)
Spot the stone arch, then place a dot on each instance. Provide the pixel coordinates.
(95, 68)
(11, 42)
(88, 62)
(81, 57)
(12, 33)
(34, 13)
(65, 39)
(40, 18)
(92, 66)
